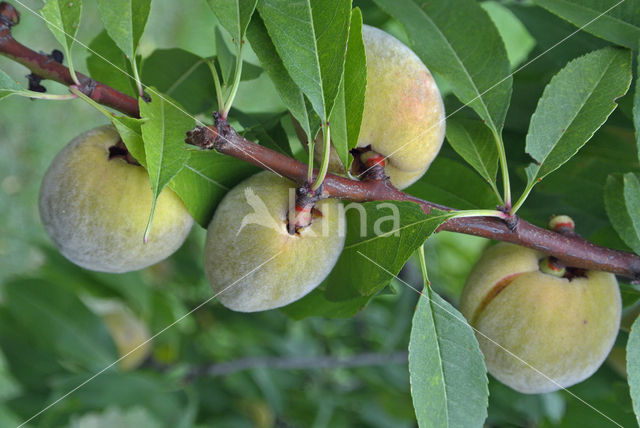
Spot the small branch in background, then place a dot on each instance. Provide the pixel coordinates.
(44, 67)
(297, 363)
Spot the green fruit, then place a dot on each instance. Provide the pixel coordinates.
(95, 208)
(131, 335)
(403, 117)
(251, 260)
(538, 332)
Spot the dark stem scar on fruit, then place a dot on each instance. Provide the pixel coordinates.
(304, 211)
(119, 151)
(368, 164)
(495, 290)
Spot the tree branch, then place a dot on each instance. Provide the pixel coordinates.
(297, 363)
(570, 250)
(46, 68)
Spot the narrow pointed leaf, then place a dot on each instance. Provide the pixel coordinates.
(576, 102)
(446, 368)
(622, 201)
(109, 65)
(346, 116)
(440, 34)
(234, 15)
(381, 237)
(613, 20)
(63, 19)
(474, 142)
(291, 95)
(9, 86)
(633, 366)
(124, 21)
(163, 133)
(310, 37)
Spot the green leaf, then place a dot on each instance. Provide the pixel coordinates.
(115, 417)
(56, 318)
(128, 128)
(226, 59)
(346, 116)
(620, 24)
(234, 15)
(453, 184)
(183, 76)
(381, 237)
(63, 19)
(633, 366)
(636, 106)
(441, 36)
(517, 40)
(474, 142)
(311, 39)
(205, 178)
(163, 133)
(316, 304)
(9, 86)
(109, 65)
(291, 95)
(124, 21)
(447, 371)
(622, 201)
(576, 102)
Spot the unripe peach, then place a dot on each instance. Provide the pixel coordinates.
(539, 332)
(95, 208)
(403, 118)
(251, 260)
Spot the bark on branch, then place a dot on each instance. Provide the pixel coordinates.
(570, 250)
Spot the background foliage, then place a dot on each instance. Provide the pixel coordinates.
(50, 342)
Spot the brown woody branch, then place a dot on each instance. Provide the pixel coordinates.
(46, 68)
(569, 249)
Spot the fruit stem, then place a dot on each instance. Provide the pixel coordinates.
(326, 154)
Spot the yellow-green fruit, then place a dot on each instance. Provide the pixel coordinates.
(131, 335)
(538, 332)
(251, 260)
(95, 208)
(403, 115)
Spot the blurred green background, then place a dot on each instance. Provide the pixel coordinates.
(42, 292)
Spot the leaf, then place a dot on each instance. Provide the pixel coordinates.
(453, 184)
(576, 102)
(57, 318)
(381, 237)
(316, 304)
(128, 128)
(226, 59)
(471, 58)
(446, 368)
(163, 134)
(124, 21)
(234, 15)
(205, 178)
(9, 86)
(63, 19)
(622, 201)
(636, 107)
(346, 116)
(633, 366)
(474, 142)
(182, 75)
(310, 37)
(109, 65)
(613, 20)
(291, 95)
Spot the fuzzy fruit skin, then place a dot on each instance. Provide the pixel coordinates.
(403, 115)
(95, 209)
(130, 334)
(242, 237)
(563, 328)
(403, 111)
